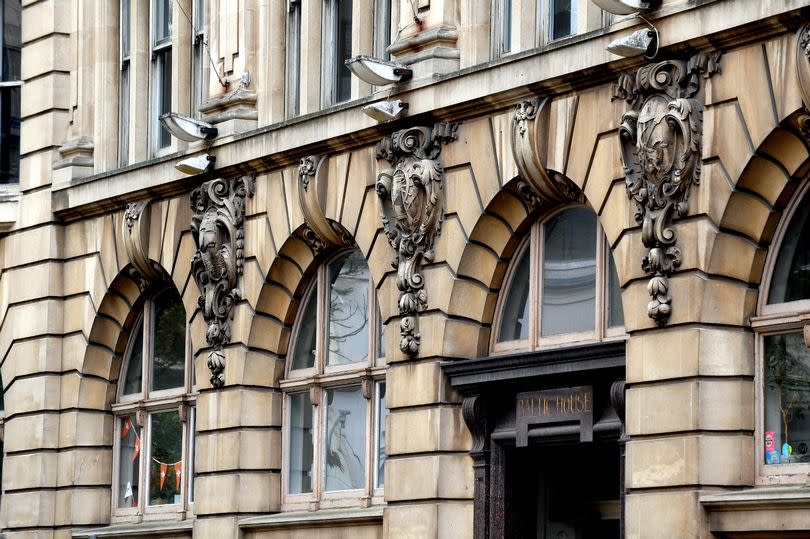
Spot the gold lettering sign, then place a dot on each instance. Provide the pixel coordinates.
(564, 405)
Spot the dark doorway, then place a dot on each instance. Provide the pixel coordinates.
(562, 491)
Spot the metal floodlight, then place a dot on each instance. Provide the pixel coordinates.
(186, 128)
(377, 72)
(626, 7)
(195, 165)
(384, 111)
(639, 42)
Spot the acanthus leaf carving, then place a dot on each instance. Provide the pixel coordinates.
(319, 231)
(529, 137)
(412, 211)
(217, 226)
(803, 76)
(135, 235)
(661, 152)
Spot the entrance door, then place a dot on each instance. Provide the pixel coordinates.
(562, 491)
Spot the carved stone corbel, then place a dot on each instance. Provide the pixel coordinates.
(803, 75)
(135, 235)
(217, 228)
(530, 127)
(319, 231)
(661, 138)
(412, 210)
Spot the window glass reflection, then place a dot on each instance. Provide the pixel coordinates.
(791, 276)
(381, 415)
(787, 399)
(348, 310)
(132, 382)
(615, 309)
(166, 458)
(300, 448)
(168, 359)
(304, 354)
(515, 319)
(569, 272)
(129, 461)
(344, 465)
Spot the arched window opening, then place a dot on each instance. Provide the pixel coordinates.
(154, 412)
(562, 286)
(335, 391)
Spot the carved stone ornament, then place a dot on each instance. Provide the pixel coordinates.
(319, 232)
(661, 153)
(412, 210)
(217, 228)
(530, 126)
(803, 75)
(135, 235)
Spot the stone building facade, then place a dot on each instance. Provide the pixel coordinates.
(562, 292)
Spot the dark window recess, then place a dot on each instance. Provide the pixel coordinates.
(10, 94)
(343, 51)
(563, 17)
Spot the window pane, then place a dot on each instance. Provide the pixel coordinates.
(345, 438)
(129, 461)
(304, 355)
(381, 337)
(162, 20)
(381, 415)
(615, 310)
(563, 18)
(569, 272)
(300, 444)
(791, 276)
(125, 28)
(132, 382)
(123, 115)
(163, 89)
(293, 57)
(515, 317)
(382, 29)
(348, 309)
(169, 356)
(166, 458)
(10, 97)
(787, 399)
(343, 50)
(506, 25)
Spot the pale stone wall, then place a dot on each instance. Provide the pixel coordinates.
(65, 293)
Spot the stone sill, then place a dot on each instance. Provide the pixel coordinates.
(744, 499)
(759, 512)
(574, 63)
(139, 529)
(314, 519)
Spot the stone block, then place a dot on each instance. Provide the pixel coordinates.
(29, 471)
(82, 506)
(38, 431)
(238, 450)
(44, 130)
(238, 407)
(34, 394)
(414, 384)
(85, 429)
(237, 493)
(84, 466)
(428, 477)
(29, 509)
(424, 430)
(51, 53)
(750, 216)
(678, 512)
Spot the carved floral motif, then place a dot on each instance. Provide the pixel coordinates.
(412, 210)
(217, 228)
(661, 152)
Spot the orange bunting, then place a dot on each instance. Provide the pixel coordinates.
(163, 468)
(178, 471)
(125, 428)
(137, 449)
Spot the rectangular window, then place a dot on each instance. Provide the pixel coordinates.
(10, 92)
(300, 444)
(382, 29)
(563, 18)
(379, 457)
(787, 399)
(165, 458)
(345, 434)
(198, 57)
(293, 75)
(338, 49)
(129, 461)
(504, 39)
(125, 31)
(161, 69)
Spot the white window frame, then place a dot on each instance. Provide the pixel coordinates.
(776, 319)
(535, 341)
(316, 381)
(157, 48)
(499, 10)
(143, 405)
(329, 54)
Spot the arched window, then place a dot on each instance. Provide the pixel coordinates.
(561, 287)
(154, 413)
(334, 435)
(783, 367)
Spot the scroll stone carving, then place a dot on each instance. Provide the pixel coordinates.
(217, 228)
(135, 235)
(803, 75)
(529, 137)
(319, 231)
(412, 210)
(661, 153)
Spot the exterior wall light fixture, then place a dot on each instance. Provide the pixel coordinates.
(626, 7)
(195, 165)
(377, 72)
(384, 111)
(186, 128)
